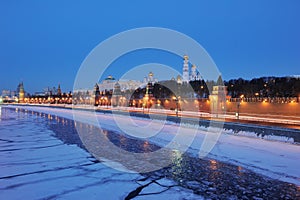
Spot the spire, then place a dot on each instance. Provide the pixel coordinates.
(96, 90)
(58, 90)
(220, 81)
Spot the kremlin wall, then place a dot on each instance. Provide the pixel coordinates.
(112, 92)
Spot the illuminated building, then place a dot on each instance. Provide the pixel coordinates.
(21, 93)
(96, 95)
(218, 98)
(185, 73)
(150, 78)
(108, 84)
(116, 96)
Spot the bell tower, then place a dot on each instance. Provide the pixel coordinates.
(185, 73)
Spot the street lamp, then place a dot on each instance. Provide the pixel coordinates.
(237, 114)
(175, 98)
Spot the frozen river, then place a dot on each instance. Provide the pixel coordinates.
(42, 157)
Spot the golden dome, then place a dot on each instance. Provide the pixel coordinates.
(150, 74)
(110, 77)
(185, 57)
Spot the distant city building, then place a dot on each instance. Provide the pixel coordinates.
(21, 93)
(8, 93)
(39, 94)
(14, 96)
(8, 96)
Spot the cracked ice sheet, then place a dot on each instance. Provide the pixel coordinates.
(275, 159)
(36, 165)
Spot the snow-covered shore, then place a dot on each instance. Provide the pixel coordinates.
(272, 158)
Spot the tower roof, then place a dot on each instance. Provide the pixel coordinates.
(220, 81)
(96, 86)
(117, 85)
(117, 89)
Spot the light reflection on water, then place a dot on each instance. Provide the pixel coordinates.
(65, 130)
(177, 168)
(213, 165)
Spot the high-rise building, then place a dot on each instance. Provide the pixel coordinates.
(21, 93)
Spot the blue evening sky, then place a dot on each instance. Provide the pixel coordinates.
(43, 43)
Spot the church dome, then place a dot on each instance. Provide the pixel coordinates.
(110, 77)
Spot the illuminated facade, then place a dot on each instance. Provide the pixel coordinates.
(150, 78)
(21, 93)
(109, 83)
(188, 75)
(185, 73)
(218, 98)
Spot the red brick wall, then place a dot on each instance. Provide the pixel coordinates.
(288, 109)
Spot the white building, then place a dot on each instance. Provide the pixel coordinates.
(186, 74)
(109, 83)
(150, 79)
